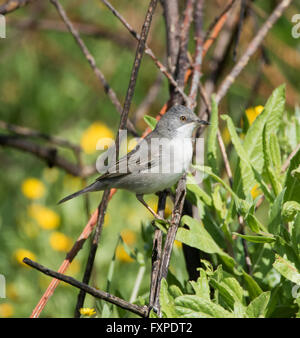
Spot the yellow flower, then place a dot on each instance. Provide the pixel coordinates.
(98, 134)
(153, 205)
(255, 191)
(33, 188)
(19, 254)
(253, 112)
(122, 255)
(225, 135)
(45, 217)
(86, 311)
(6, 310)
(178, 244)
(11, 291)
(128, 236)
(60, 242)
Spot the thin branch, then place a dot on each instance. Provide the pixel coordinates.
(170, 238)
(108, 90)
(182, 63)
(288, 160)
(171, 16)
(48, 154)
(251, 49)
(24, 131)
(157, 254)
(65, 264)
(89, 266)
(148, 51)
(12, 5)
(198, 53)
(139, 310)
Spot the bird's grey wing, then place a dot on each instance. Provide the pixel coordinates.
(135, 161)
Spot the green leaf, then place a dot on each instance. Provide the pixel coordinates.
(151, 121)
(275, 214)
(249, 175)
(229, 289)
(212, 136)
(192, 306)
(201, 287)
(257, 239)
(167, 304)
(292, 181)
(271, 116)
(253, 288)
(290, 210)
(257, 308)
(198, 237)
(275, 156)
(194, 188)
(287, 269)
(254, 224)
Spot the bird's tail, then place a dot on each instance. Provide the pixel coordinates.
(80, 192)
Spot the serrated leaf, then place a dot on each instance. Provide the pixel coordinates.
(229, 289)
(287, 269)
(192, 306)
(198, 237)
(271, 116)
(257, 239)
(257, 308)
(201, 286)
(151, 121)
(249, 174)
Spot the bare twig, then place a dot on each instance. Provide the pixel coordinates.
(12, 5)
(171, 16)
(251, 49)
(65, 264)
(157, 254)
(148, 51)
(89, 266)
(182, 63)
(108, 90)
(49, 154)
(198, 53)
(139, 310)
(288, 160)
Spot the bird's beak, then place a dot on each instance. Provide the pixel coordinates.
(203, 122)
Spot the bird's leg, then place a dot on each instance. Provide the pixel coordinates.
(141, 199)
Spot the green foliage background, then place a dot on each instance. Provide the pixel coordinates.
(47, 85)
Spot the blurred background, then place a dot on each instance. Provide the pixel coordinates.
(47, 85)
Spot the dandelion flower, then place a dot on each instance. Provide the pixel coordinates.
(253, 112)
(128, 236)
(33, 188)
(86, 311)
(255, 191)
(60, 242)
(20, 254)
(122, 255)
(96, 136)
(6, 310)
(45, 217)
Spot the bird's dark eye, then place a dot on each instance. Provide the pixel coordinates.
(182, 118)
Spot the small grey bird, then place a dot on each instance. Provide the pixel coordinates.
(157, 162)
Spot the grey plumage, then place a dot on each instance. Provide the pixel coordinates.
(141, 170)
